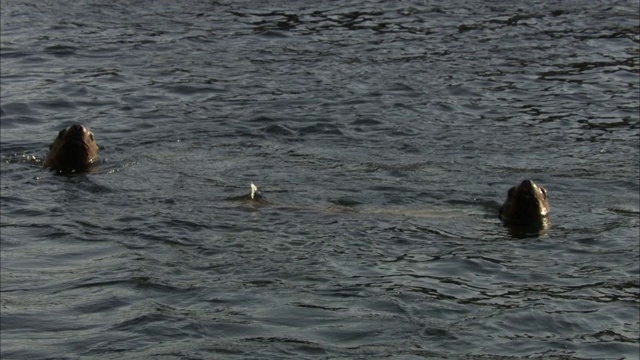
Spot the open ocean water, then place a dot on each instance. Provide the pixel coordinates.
(385, 135)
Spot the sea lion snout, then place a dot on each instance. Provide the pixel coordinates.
(76, 129)
(527, 184)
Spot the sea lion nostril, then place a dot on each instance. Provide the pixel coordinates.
(77, 127)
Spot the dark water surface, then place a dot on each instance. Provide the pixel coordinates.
(385, 135)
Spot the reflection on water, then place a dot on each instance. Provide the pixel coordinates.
(529, 230)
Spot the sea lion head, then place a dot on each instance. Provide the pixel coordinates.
(526, 204)
(73, 150)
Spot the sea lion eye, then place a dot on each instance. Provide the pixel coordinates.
(61, 133)
(544, 192)
(91, 137)
(510, 192)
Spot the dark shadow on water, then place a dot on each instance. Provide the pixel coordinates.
(530, 230)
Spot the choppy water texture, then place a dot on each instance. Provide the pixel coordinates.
(385, 135)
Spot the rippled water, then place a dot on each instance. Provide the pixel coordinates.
(384, 135)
